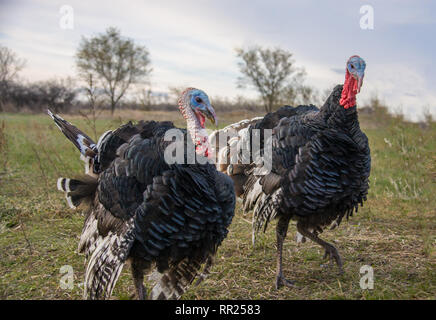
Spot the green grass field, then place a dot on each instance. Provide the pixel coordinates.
(395, 231)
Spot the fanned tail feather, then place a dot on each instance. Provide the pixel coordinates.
(77, 190)
(83, 142)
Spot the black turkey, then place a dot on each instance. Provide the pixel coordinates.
(168, 219)
(320, 167)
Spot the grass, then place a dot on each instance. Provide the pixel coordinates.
(395, 231)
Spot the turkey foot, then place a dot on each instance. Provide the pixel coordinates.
(332, 253)
(206, 271)
(330, 250)
(282, 281)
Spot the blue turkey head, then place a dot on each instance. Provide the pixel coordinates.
(200, 105)
(356, 67)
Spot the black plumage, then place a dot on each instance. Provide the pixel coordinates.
(169, 218)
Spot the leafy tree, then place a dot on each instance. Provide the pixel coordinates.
(115, 61)
(271, 72)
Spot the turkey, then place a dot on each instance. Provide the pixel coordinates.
(165, 219)
(320, 168)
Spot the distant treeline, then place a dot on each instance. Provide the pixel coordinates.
(61, 95)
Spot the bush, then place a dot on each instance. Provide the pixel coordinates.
(56, 94)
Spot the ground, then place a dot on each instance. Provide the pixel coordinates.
(394, 232)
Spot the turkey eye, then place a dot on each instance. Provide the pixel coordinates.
(198, 99)
(352, 67)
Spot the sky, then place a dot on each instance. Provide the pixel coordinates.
(192, 43)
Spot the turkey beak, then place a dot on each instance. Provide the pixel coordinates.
(211, 115)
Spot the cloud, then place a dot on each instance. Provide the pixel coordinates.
(338, 70)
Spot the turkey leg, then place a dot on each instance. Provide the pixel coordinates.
(281, 230)
(206, 270)
(137, 268)
(330, 250)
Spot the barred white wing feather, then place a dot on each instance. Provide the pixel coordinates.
(266, 209)
(107, 261)
(89, 239)
(252, 194)
(171, 284)
(223, 152)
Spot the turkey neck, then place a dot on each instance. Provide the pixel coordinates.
(335, 115)
(198, 134)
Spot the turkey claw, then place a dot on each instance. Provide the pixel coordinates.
(332, 253)
(281, 281)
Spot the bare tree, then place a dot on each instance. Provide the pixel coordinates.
(145, 97)
(296, 92)
(270, 71)
(10, 65)
(116, 61)
(57, 94)
(175, 92)
(94, 103)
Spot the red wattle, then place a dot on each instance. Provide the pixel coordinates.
(201, 147)
(348, 96)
